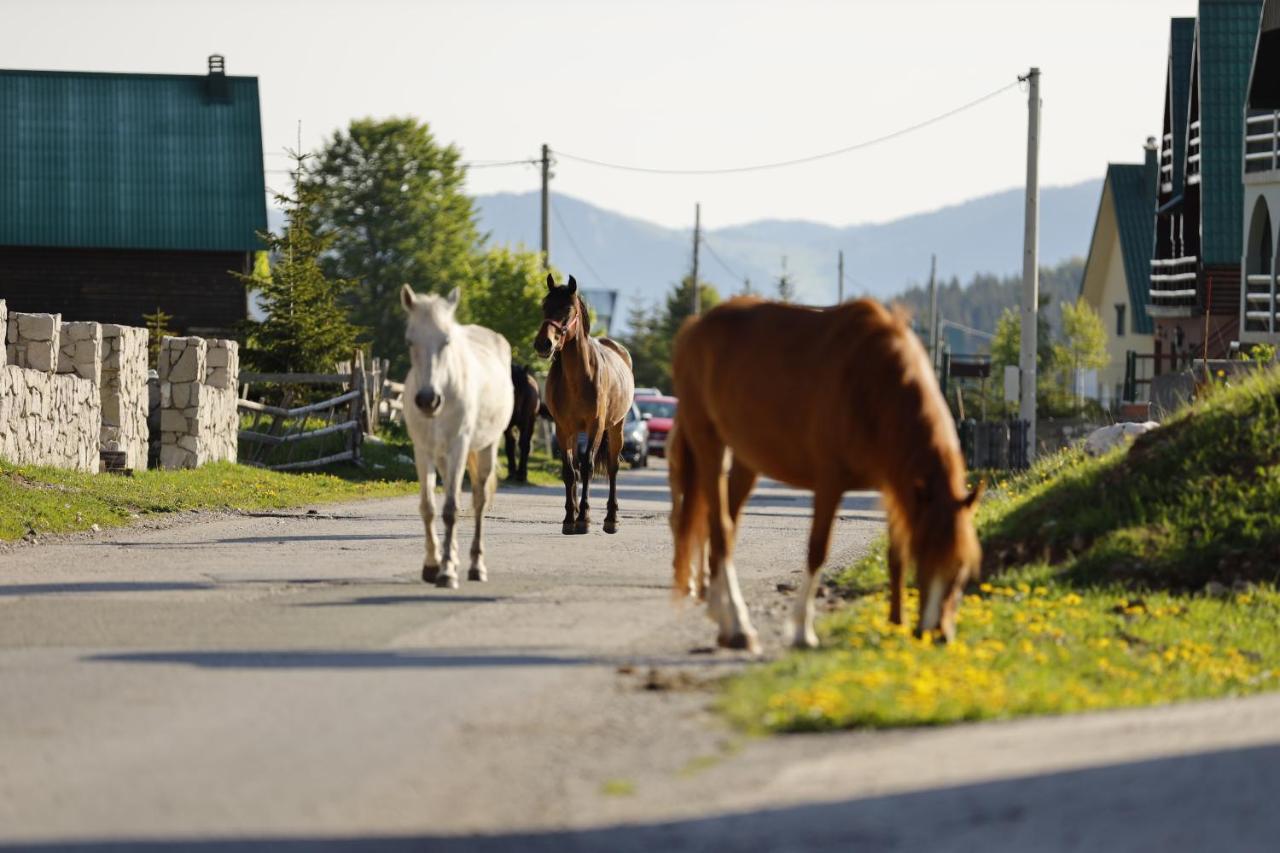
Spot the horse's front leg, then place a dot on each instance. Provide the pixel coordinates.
(568, 442)
(427, 509)
(454, 463)
(613, 448)
(585, 467)
(484, 480)
(509, 439)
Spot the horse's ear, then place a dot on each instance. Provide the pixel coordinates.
(454, 297)
(971, 500)
(573, 285)
(551, 282)
(407, 297)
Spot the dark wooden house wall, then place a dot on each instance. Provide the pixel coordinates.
(121, 285)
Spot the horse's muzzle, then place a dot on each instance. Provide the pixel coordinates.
(542, 346)
(427, 401)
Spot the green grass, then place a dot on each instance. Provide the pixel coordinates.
(49, 500)
(1143, 577)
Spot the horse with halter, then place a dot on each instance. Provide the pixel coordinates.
(828, 400)
(589, 389)
(460, 401)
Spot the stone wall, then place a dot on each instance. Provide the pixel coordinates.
(47, 418)
(80, 350)
(198, 418)
(124, 393)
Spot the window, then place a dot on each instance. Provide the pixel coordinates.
(1120, 321)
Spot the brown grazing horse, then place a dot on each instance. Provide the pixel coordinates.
(828, 400)
(589, 389)
(523, 419)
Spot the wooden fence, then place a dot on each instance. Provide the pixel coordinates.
(285, 438)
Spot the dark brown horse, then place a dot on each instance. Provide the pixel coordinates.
(828, 400)
(589, 389)
(523, 419)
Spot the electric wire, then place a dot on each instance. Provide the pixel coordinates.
(798, 160)
(574, 243)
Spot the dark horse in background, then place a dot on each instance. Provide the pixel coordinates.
(523, 419)
(589, 389)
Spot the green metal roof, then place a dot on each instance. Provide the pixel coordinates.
(137, 161)
(1133, 191)
(1225, 36)
(1182, 39)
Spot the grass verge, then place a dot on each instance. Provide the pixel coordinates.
(1143, 577)
(39, 501)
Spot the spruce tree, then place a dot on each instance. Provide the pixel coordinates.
(306, 329)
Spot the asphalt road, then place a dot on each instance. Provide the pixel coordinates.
(286, 681)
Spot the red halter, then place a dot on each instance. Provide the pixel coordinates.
(562, 329)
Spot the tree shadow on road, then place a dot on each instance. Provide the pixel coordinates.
(1192, 802)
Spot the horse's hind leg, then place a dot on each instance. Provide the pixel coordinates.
(825, 503)
(726, 596)
(427, 509)
(509, 439)
(526, 439)
(484, 476)
(613, 450)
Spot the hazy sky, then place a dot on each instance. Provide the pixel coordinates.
(670, 85)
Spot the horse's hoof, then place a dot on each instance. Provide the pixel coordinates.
(743, 640)
(610, 526)
(582, 527)
(447, 582)
(567, 528)
(477, 575)
(804, 640)
(429, 573)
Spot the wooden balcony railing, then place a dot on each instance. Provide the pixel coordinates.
(1260, 310)
(1262, 141)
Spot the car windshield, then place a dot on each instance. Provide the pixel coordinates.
(657, 408)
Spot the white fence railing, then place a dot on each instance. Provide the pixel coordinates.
(1262, 141)
(1173, 281)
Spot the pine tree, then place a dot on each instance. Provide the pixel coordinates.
(306, 329)
(157, 328)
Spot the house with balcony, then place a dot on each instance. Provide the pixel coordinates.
(1116, 273)
(1195, 291)
(124, 193)
(1259, 313)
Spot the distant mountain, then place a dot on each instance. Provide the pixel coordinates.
(642, 260)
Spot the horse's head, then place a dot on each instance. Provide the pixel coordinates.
(561, 316)
(946, 550)
(428, 332)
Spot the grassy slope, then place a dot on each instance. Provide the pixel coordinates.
(1143, 577)
(48, 500)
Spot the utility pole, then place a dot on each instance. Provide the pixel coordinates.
(1031, 264)
(934, 325)
(840, 276)
(546, 207)
(697, 238)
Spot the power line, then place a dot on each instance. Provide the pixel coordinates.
(574, 243)
(798, 160)
(730, 270)
(489, 164)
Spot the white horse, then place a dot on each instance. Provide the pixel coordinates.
(458, 401)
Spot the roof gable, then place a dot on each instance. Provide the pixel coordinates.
(139, 161)
(1182, 32)
(1226, 32)
(1133, 194)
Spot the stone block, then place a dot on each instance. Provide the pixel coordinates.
(41, 356)
(173, 457)
(39, 327)
(172, 420)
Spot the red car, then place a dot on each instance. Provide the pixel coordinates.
(659, 412)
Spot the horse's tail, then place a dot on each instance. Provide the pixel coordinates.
(688, 514)
(602, 456)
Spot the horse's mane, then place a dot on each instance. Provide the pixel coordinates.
(584, 315)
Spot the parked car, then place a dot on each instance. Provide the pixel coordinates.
(660, 412)
(635, 440)
(648, 392)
